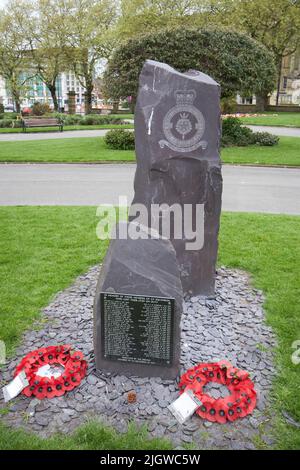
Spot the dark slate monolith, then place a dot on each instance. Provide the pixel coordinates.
(137, 309)
(177, 134)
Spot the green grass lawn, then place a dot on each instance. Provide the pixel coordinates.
(286, 153)
(9, 130)
(267, 118)
(123, 116)
(83, 149)
(274, 119)
(91, 436)
(42, 249)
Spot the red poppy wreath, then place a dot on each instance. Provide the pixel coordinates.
(238, 404)
(52, 371)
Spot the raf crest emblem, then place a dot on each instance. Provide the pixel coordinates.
(184, 125)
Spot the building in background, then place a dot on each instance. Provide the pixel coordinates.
(36, 90)
(289, 92)
(5, 99)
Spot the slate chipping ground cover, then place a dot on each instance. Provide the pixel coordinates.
(230, 325)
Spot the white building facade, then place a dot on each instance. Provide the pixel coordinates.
(36, 90)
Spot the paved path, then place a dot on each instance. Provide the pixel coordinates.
(52, 135)
(247, 189)
(285, 131)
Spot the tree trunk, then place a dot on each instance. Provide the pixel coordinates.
(262, 102)
(88, 100)
(18, 106)
(17, 101)
(115, 106)
(52, 89)
(278, 81)
(132, 104)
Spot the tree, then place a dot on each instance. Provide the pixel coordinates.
(88, 27)
(47, 40)
(274, 23)
(14, 58)
(238, 63)
(140, 16)
(43, 38)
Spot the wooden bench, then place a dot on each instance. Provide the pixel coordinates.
(28, 122)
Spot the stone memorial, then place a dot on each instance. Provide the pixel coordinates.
(138, 306)
(177, 134)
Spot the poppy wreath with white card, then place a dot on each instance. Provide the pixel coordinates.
(239, 403)
(52, 371)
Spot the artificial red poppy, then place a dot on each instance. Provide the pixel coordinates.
(40, 391)
(67, 384)
(59, 387)
(28, 391)
(242, 374)
(202, 410)
(77, 356)
(51, 357)
(75, 379)
(50, 389)
(221, 416)
(62, 358)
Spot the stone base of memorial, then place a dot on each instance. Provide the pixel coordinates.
(138, 307)
(231, 326)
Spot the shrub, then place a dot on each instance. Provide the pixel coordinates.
(70, 120)
(119, 139)
(39, 109)
(1, 108)
(264, 138)
(234, 134)
(88, 120)
(237, 62)
(228, 105)
(96, 119)
(10, 115)
(4, 123)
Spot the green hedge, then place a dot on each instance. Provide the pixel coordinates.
(9, 115)
(237, 62)
(88, 120)
(9, 123)
(69, 120)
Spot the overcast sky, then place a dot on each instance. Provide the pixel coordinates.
(2, 3)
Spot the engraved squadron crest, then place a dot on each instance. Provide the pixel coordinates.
(184, 124)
